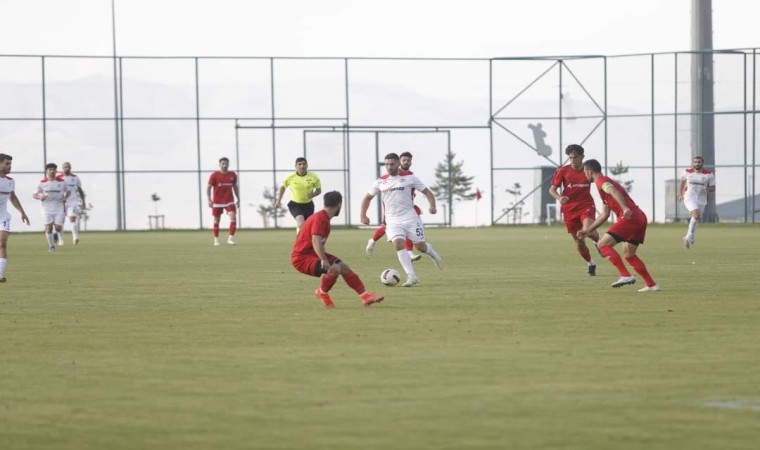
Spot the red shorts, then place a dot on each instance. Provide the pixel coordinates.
(311, 264)
(574, 219)
(216, 212)
(631, 230)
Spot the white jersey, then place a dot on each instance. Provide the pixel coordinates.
(55, 190)
(398, 196)
(74, 184)
(7, 186)
(697, 182)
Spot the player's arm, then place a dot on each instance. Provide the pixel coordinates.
(280, 193)
(81, 193)
(711, 186)
(315, 192)
(364, 208)
(605, 214)
(236, 191)
(319, 249)
(17, 204)
(553, 191)
(610, 189)
(39, 194)
(431, 199)
(681, 189)
(208, 195)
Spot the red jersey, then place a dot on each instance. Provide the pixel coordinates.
(223, 185)
(576, 187)
(610, 201)
(317, 224)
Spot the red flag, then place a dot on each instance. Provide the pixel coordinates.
(478, 194)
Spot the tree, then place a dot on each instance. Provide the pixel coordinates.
(267, 209)
(619, 170)
(517, 205)
(84, 212)
(451, 183)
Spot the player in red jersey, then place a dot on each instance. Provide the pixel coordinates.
(310, 257)
(630, 228)
(578, 208)
(226, 197)
(406, 164)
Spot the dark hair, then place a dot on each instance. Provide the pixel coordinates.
(391, 156)
(407, 154)
(301, 159)
(699, 158)
(224, 158)
(332, 199)
(51, 166)
(592, 165)
(574, 148)
(3, 157)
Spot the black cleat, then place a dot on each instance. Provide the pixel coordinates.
(592, 270)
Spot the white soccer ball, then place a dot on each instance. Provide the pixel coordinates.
(390, 277)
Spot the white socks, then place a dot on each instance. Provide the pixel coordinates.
(406, 262)
(692, 227)
(3, 265)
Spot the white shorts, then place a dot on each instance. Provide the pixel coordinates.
(54, 217)
(73, 210)
(5, 222)
(692, 204)
(411, 229)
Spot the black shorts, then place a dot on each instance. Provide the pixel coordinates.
(301, 209)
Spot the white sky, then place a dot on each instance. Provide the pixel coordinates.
(388, 28)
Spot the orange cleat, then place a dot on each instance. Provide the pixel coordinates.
(325, 297)
(369, 298)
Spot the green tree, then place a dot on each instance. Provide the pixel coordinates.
(619, 170)
(451, 183)
(267, 210)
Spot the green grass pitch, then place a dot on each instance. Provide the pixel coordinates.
(156, 340)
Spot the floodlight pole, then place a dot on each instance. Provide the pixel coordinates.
(117, 147)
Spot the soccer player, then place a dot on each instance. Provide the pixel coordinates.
(7, 192)
(406, 164)
(304, 186)
(696, 183)
(577, 205)
(52, 193)
(402, 222)
(74, 184)
(310, 257)
(630, 228)
(223, 194)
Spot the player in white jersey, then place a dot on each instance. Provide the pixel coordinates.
(696, 184)
(74, 202)
(401, 220)
(52, 193)
(7, 193)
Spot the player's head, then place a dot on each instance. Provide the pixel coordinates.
(5, 163)
(301, 165)
(698, 162)
(392, 164)
(51, 169)
(405, 160)
(66, 168)
(333, 200)
(592, 168)
(574, 153)
(224, 163)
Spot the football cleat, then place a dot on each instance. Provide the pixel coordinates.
(622, 281)
(411, 281)
(52, 248)
(216, 242)
(76, 241)
(687, 242)
(325, 297)
(369, 298)
(592, 270)
(654, 288)
(370, 247)
(231, 240)
(415, 257)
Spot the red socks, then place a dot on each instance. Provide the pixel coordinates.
(641, 269)
(327, 282)
(614, 258)
(585, 254)
(216, 229)
(380, 232)
(354, 282)
(233, 227)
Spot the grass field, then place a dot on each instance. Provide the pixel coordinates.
(153, 340)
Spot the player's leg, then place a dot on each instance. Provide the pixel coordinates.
(74, 220)
(232, 213)
(49, 235)
(417, 235)
(606, 247)
(58, 234)
(580, 244)
(629, 253)
(4, 233)
(216, 213)
(396, 234)
(695, 214)
(355, 283)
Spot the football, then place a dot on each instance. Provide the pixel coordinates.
(390, 277)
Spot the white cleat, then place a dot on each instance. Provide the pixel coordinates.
(216, 242)
(655, 288)
(411, 281)
(60, 243)
(415, 257)
(370, 247)
(231, 240)
(623, 281)
(687, 242)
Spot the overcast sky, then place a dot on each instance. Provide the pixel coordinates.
(388, 28)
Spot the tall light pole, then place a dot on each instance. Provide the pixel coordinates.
(117, 134)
